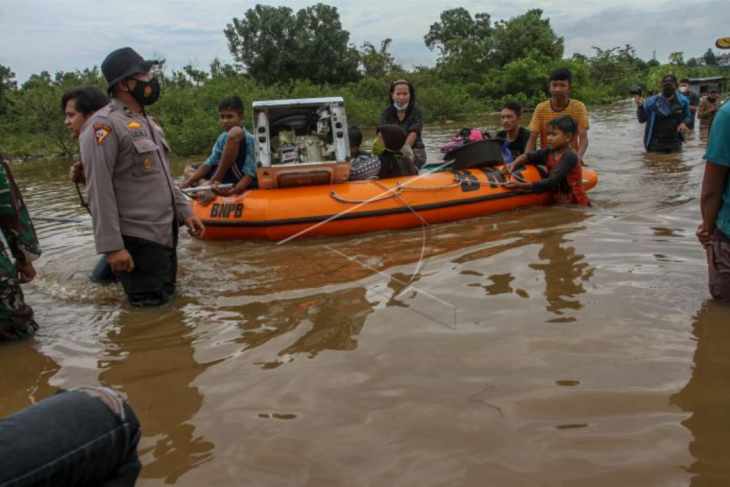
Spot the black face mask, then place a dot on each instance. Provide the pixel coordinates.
(668, 90)
(146, 92)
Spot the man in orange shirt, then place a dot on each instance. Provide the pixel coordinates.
(558, 105)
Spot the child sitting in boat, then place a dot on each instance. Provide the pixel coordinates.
(364, 165)
(395, 160)
(232, 159)
(565, 178)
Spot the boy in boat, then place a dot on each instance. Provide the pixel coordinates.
(364, 165)
(559, 104)
(232, 158)
(565, 178)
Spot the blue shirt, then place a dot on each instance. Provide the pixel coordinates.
(718, 152)
(648, 113)
(216, 154)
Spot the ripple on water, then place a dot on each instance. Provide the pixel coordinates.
(549, 343)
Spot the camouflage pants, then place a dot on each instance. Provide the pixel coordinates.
(16, 317)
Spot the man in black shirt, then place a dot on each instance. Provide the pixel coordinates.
(517, 135)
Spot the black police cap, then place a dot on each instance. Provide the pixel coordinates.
(124, 63)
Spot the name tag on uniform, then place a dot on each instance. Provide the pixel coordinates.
(141, 133)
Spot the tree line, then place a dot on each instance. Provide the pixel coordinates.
(279, 53)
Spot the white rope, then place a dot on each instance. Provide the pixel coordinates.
(391, 193)
(397, 195)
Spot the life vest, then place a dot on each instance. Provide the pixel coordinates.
(576, 195)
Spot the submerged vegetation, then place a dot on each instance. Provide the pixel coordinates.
(279, 53)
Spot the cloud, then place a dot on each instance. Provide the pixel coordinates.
(663, 27)
(39, 35)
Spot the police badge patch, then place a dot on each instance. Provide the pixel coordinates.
(100, 132)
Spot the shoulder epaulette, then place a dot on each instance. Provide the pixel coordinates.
(105, 111)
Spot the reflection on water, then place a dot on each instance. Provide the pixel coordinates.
(25, 376)
(545, 346)
(706, 397)
(565, 275)
(150, 358)
(331, 321)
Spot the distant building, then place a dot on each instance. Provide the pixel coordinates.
(700, 85)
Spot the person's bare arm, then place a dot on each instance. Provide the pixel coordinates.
(76, 173)
(197, 176)
(239, 188)
(411, 138)
(582, 142)
(519, 162)
(713, 186)
(230, 152)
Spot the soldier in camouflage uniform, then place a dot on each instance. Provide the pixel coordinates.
(16, 317)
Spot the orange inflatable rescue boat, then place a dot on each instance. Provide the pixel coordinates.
(367, 206)
(303, 163)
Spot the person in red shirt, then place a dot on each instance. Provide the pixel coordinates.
(565, 178)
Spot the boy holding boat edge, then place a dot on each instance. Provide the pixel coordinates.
(565, 178)
(232, 158)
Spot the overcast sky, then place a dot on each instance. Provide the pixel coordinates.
(65, 35)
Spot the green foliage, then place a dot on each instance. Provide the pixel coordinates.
(448, 102)
(456, 27)
(273, 45)
(527, 76)
(516, 38)
(376, 63)
(473, 51)
(464, 44)
(33, 119)
(652, 80)
(283, 54)
(612, 73)
(676, 59)
(7, 85)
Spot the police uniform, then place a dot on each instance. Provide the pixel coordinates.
(16, 317)
(135, 204)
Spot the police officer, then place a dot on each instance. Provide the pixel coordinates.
(136, 207)
(16, 317)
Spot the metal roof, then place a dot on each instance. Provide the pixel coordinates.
(706, 80)
(297, 102)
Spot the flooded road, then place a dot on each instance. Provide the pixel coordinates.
(541, 347)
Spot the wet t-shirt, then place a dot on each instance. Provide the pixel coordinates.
(517, 146)
(718, 152)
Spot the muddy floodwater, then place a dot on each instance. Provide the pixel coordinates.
(549, 346)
